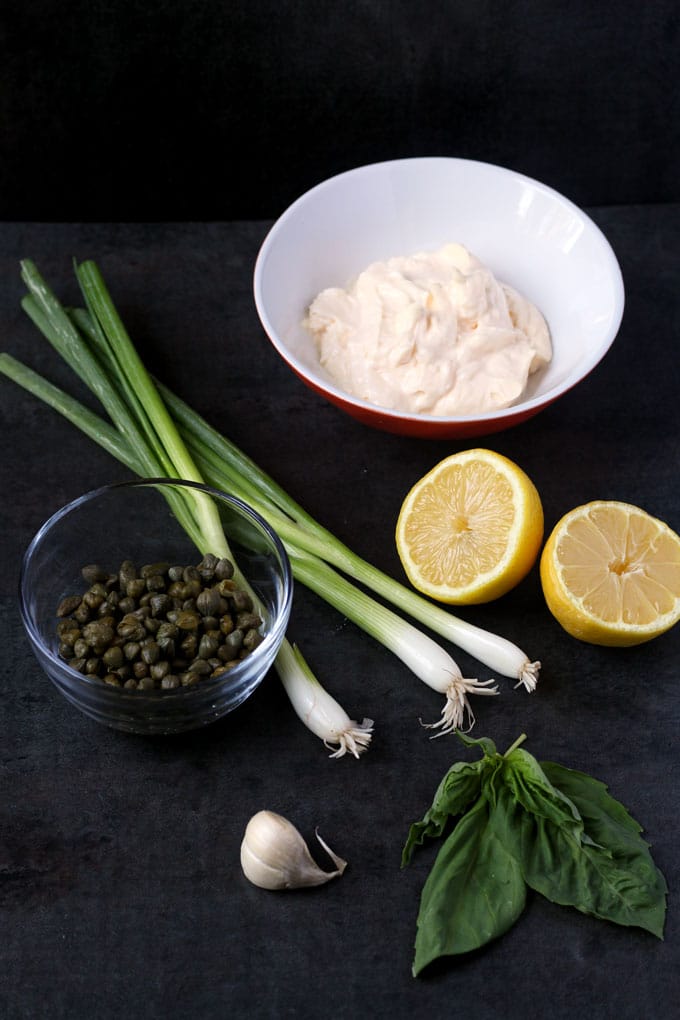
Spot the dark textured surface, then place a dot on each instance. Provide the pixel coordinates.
(120, 888)
(205, 109)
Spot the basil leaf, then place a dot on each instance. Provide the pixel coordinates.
(605, 818)
(459, 787)
(611, 826)
(618, 888)
(533, 790)
(487, 745)
(475, 890)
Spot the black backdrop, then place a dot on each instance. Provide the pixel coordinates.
(210, 109)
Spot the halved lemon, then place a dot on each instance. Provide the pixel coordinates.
(611, 574)
(470, 529)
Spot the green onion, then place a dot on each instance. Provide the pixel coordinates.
(145, 438)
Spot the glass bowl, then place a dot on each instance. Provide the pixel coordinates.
(136, 521)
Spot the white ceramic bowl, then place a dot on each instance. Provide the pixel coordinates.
(529, 235)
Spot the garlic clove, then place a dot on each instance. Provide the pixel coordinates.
(275, 856)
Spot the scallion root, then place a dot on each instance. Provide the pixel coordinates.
(528, 677)
(457, 709)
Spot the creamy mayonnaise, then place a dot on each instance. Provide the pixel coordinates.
(434, 333)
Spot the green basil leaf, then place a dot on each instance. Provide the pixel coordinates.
(534, 791)
(605, 819)
(487, 745)
(475, 890)
(611, 826)
(557, 864)
(459, 787)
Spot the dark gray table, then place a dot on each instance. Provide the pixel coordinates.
(120, 888)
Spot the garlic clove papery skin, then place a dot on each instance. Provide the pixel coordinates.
(275, 856)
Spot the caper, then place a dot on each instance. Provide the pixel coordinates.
(82, 613)
(192, 588)
(247, 620)
(175, 573)
(65, 626)
(159, 669)
(206, 567)
(200, 667)
(189, 644)
(68, 605)
(156, 582)
(113, 657)
(167, 647)
(112, 680)
(251, 639)
(93, 600)
(188, 620)
(151, 624)
(189, 679)
(131, 650)
(159, 603)
(226, 624)
(77, 663)
(241, 600)
(145, 684)
(92, 665)
(131, 630)
(191, 574)
(226, 666)
(208, 602)
(150, 652)
(98, 634)
(135, 587)
(126, 572)
(166, 629)
(207, 646)
(130, 684)
(93, 573)
(169, 682)
(224, 569)
(231, 645)
(226, 587)
(140, 669)
(153, 570)
(218, 670)
(126, 604)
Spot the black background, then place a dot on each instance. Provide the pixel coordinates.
(162, 139)
(213, 110)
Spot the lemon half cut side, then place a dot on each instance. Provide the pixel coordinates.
(470, 529)
(611, 574)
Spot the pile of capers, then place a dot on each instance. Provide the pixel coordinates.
(159, 627)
